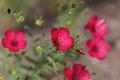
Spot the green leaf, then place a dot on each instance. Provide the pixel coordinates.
(29, 34)
(31, 60)
(27, 28)
(17, 57)
(27, 68)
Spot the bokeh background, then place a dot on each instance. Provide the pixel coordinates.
(54, 11)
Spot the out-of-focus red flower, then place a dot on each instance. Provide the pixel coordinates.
(14, 41)
(61, 39)
(98, 48)
(97, 27)
(78, 73)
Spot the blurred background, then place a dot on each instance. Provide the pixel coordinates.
(71, 14)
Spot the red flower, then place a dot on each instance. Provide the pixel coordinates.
(98, 48)
(78, 73)
(14, 41)
(61, 39)
(97, 27)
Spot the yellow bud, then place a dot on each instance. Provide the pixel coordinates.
(70, 12)
(38, 48)
(68, 22)
(14, 73)
(39, 22)
(21, 18)
(1, 77)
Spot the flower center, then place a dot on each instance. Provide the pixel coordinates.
(57, 42)
(95, 49)
(75, 78)
(93, 29)
(14, 43)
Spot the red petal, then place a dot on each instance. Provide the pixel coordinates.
(54, 33)
(13, 49)
(63, 33)
(20, 35)
(101, 55)
(81, 52)
(85, 75)
(92, 53)
(62, 48)
(6, 43)
(100, 29)
(77, 68)
(10, 34)
(89, 43)
(101, 25)
(94, 20)
(68, 73)
(105, 47)
(68, 42)
(22, 44)
(88, 26)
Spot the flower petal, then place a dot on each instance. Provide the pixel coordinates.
(13, 49)
(88, 26)
(20, 35)
(62, 48)
(85, 75)
(10, 34)
(91, 23)
(101, 55)
(77, 68)
(94, 20)
(105, 47)
(6, 43)
(101, 25)
(68, 73)
(63, 33)
(54, 33)
(22, 44)
(92, 53)
(80, 51)
(100, 29)
(68, 42)
(89, 43)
